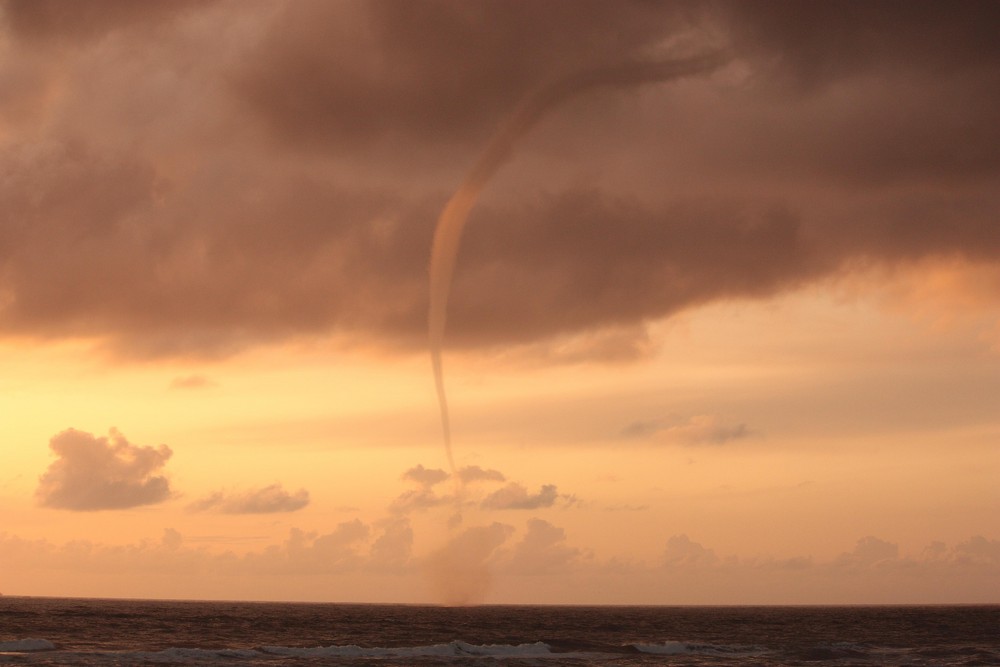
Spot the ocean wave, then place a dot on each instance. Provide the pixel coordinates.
(268, 654)
(677, 648)
(26, 645)
(456, 649)
(666, 648)
(190, 654)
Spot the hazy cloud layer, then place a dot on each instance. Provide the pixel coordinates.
(542, 550)
(464, 569)
(460, 571)
(681, 551)
(392, 549)
(425, 477)
(267, 500)
(193, 177)
(514, 496)
(192, 382)
(472, 474)
(695, 430)
(102, 473)
(869, 551)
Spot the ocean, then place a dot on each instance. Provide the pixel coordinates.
(56, 631)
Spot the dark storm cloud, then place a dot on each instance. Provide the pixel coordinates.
(437, 69)
(198, 177)
(98, 473)
(821, 42)
(73, 21)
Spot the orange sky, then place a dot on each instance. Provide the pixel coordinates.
(731, 338)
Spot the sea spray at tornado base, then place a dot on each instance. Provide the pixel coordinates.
(451, 222)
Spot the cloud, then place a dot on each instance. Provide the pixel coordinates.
(626, 508)
(471, 474)
(542, 550)
(511, 496)
(51, 20)
(492, 54)
(424, 497)
(416, 500)
(514, 496)
(822, 44)
(681, 551)
(218, 188)
(426, 477)
(98, 473)
(311, 552)
(393, 549)
(541, 560)
(461, 571)
(869, 552)
(270, 499)
(192, 382)
(696, 430)
(978, 550)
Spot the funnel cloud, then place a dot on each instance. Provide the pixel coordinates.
(451, 222)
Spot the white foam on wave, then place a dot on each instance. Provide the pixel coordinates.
(27, 645)
(666, 648)
(675, 648)
(455, 649)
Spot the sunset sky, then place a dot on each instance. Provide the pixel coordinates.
(730, 336)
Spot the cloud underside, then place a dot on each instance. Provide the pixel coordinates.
(282, 177)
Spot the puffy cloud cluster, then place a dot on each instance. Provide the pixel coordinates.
(103, 473)
(511, 496)
(259, 171)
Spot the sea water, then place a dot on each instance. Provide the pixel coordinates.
(40, 631)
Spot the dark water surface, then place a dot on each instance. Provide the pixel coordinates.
(126, 632)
